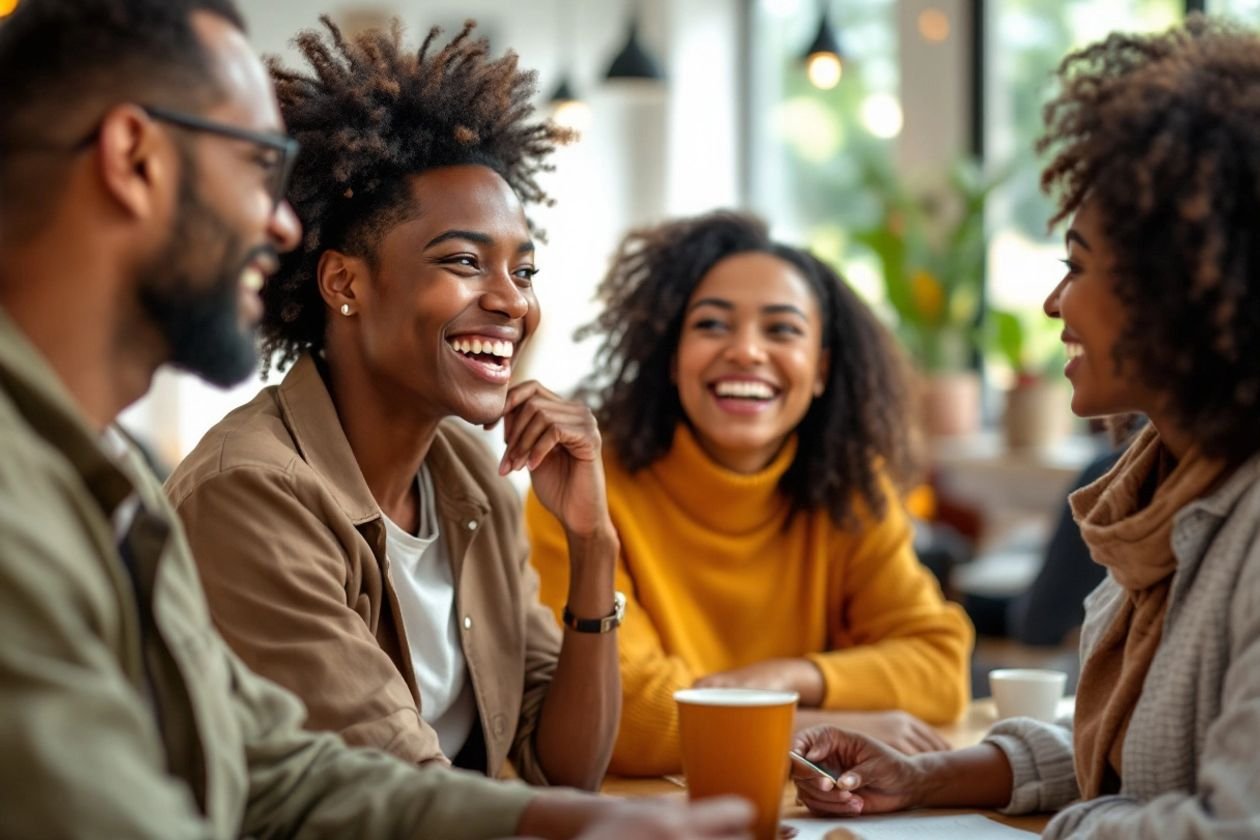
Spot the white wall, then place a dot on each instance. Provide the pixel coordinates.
(644, 158)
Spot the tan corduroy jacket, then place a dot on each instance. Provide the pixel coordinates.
(122, 712)
(291, 549)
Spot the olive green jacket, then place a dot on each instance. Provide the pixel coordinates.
(122, 711)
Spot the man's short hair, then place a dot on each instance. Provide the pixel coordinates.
(63, 63)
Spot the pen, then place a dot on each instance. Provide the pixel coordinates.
(809, 765)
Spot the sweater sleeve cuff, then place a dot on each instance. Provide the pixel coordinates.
(1044, 775)
(854, 667)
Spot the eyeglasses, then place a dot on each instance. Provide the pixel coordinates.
(286, 147)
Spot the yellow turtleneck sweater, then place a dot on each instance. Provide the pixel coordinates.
(715, 581)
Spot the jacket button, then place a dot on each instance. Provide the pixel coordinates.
(472, 525)
(498, 726)
(468, 622)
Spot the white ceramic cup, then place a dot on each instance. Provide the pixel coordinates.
(1027, 692)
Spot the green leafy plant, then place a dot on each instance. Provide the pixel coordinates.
(1027, 343)
(930, 243)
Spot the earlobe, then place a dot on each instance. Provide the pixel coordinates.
(824, 370)
(339, 277)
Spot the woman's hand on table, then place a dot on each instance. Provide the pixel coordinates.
(558, 441)
(799, 675)
(871, 777)
(899, 730)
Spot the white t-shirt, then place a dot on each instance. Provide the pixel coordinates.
(421, 573)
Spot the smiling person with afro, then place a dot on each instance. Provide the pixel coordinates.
(357, 543)
(756, 419)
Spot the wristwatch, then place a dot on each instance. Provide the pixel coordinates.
(598, 625)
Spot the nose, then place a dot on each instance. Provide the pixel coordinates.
(284, 228)
(504, 296)
(1051, 304)
(746, 348)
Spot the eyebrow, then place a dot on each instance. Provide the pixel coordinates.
(526, 247)
(1074, 236)
(770, 309)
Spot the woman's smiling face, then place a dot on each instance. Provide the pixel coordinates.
(1094, 318)
(451, 297)
(749, 360)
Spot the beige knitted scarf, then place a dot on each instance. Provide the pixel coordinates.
(1129, 530)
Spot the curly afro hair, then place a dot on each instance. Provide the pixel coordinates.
(850, 437)
(1162, 134)
(368, 116)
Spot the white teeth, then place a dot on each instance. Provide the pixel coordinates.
(1074, 350)
(252, 279)
(476, 346)
(744, 389)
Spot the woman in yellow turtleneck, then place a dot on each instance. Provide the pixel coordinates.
(754, 421)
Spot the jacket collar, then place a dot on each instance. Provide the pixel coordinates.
(39, 396)
(308, 411)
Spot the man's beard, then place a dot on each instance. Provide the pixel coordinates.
(201, 321)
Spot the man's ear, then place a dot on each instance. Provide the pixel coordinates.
(342, 282)
(136, 162)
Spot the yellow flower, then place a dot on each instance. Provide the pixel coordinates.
(928, 295)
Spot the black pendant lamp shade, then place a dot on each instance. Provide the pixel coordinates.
(825, 41)
(633, 62)
(563, 92)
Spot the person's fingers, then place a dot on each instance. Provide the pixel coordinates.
(817, 742)
(937, 740)
(849, 781)
(541, 422)
(551, 438)
(813, 780)
(518, 394)
(836, 803)
(721, 816)
(515, 426)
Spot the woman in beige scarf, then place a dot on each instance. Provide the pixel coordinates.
(1155, 157)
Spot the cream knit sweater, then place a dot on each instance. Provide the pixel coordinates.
(1192, 752)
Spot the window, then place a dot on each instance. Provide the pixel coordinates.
(809, 146)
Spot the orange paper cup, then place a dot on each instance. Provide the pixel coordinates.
(736, 741)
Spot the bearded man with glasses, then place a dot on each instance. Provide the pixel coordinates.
(122, 711)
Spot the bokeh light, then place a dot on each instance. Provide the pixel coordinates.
(824, 70)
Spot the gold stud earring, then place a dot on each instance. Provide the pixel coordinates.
(345, 309)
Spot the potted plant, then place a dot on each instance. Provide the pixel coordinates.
(930, 243)
(1038, 401)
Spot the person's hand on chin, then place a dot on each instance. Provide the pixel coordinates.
(558, 441)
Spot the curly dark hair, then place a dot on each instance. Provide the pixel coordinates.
(853, 433)
(372, 114)
(1162, 134)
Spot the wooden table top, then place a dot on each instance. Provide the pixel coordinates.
(980, 715)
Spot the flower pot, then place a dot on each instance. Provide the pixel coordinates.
(950, 403)
(1038, 413)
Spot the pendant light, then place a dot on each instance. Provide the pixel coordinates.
(823, 62)
(567, 108)
(633, 62)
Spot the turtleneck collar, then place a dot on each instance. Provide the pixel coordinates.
(717, 498)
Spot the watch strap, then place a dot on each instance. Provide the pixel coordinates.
(606, 624)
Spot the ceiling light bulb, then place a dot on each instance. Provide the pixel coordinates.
(573, 114)
(824, 70)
